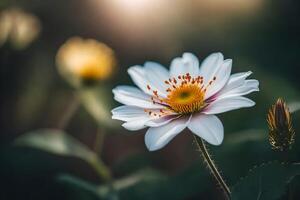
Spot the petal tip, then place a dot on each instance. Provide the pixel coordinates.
(131, 69)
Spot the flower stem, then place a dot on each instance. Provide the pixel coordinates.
(212, 167)
(101, 169)
(69, 112)
(99, 139)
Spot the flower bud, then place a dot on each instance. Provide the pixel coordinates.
(281, 132)
(18, 27)
(83, 61)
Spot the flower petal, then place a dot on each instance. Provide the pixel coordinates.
(248, 87)
(162, 120)
(139, 76)
(235, 80)
(208, 127)
(226, 104)
(136, 118)
(135, 125)
(188, 63)
(157, 75)
(128, 113)
(222, 75)
(210, 66)
(157, 137)
(134, 97)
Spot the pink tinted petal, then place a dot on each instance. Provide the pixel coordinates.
(162, 120)
(248, 87)
(227, 104)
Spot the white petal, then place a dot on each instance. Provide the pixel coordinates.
(210, 66)
(222, 75)
(188, 63)
(208, 127)
(226, 104)
(132, 96)
(235, 81)
(157, 137)
(128, 113)
(136, 118)
(135, 124)
(248, 87)
(157, 75)
(139, 76)
(161, 121)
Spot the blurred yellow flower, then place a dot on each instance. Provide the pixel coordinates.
(281, 132)
(85, 60)
(18, 27)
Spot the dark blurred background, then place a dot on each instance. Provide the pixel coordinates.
(259, 35)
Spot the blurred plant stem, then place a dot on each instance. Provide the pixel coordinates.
(99, 139)
(69, 112)
(101, 168)
(212, 167)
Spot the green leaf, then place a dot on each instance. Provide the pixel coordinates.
(98, 102)
(146, 184)
(59, 143)
(77, 187)
(139, 184)
(265, 182)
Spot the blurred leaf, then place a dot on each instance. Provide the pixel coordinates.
(81, 189)
(132, 163)
(146, 184)
(98, 102)
(141, 179)
(59, 143)
(266, 182)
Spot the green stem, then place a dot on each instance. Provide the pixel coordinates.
(99, 141)
(101, 169)
(69, 112)
(99, 166)
(212, 167)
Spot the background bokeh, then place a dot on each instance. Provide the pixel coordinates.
(259, 35)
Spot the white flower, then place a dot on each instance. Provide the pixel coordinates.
(185, 97)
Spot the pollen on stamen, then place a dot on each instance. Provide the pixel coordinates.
(148, 87)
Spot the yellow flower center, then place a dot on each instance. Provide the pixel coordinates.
(185, 95)
(187, 98)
